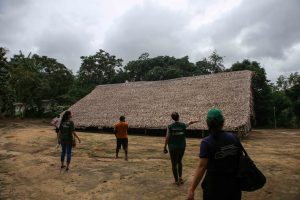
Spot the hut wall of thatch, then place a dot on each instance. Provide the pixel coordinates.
(148, 104)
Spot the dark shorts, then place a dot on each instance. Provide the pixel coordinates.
(122, 142)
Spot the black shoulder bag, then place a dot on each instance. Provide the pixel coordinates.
(250, 177)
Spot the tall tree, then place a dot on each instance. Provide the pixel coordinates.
(263, 105)
(57, 79)
(284, 83)
(212, 65)
(6, 92)
(37, 78)
(283, 109)
(288, 88)
(281, 83)
(185, 66)
(158, 68)
(99, 68)
(216, 63)
(25, 78)
(203, 67)
(144, 56)
(293, 92)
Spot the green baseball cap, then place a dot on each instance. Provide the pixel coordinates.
(215, 114)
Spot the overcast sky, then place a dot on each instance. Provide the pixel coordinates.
(267, 31)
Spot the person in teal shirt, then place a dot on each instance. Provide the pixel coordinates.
(175, 139)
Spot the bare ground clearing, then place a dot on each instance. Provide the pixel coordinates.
(30, 168)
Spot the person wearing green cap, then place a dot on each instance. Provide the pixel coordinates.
(175, 139)
(219, 157)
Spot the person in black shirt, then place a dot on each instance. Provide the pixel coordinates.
(219, 157)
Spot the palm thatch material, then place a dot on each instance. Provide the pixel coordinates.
(148, 105)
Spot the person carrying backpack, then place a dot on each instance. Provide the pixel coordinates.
(219, 158)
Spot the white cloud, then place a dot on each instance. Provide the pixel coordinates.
(267, 31)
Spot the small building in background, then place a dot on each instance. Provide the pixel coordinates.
(19, 109)
(48, 105)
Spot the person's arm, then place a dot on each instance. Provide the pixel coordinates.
(201, 168)
(58, 137)
(73, 131)
(167, 139)
(77, 137)
(115, 130)
(53, 122)
(192, 122)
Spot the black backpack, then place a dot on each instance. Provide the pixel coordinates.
(250, 177)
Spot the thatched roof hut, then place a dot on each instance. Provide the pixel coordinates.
(148, 104)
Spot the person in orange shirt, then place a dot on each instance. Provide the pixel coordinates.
(121, 134)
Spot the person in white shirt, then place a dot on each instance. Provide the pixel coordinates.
(56, 123)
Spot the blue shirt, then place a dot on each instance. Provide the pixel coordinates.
(222, 153)
(229, 145)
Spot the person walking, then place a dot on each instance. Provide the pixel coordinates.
(176, 142)
(121, 133)
(219, 158)
(67, 136)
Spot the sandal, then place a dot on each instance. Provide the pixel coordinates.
(63, 166)
(67, 169)
(176, 183)
(181, 181)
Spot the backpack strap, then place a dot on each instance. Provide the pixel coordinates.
(238, 142)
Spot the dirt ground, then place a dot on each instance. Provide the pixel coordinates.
(30, 166)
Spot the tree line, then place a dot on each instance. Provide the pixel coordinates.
(30, 79)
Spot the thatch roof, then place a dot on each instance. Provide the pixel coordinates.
(148, 104)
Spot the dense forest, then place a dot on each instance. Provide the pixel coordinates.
(30, 79)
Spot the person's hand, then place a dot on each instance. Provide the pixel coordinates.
(193, 122)
(165, 150)
(190, 195)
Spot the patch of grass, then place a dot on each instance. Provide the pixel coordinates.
(92, 154)
(190, 161)
(5, 156)
(4, 168)
(109, 151)
(3, 186)
(35, 141)
(94, 148)
(53, 153)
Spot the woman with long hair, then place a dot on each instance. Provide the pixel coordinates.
(67, 135)
(219, 158)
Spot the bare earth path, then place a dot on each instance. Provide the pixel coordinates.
(30, 168)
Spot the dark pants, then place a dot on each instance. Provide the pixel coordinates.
(221, 188)
(66, 147)
(176, 159)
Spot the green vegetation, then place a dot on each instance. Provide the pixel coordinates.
(33, 79)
